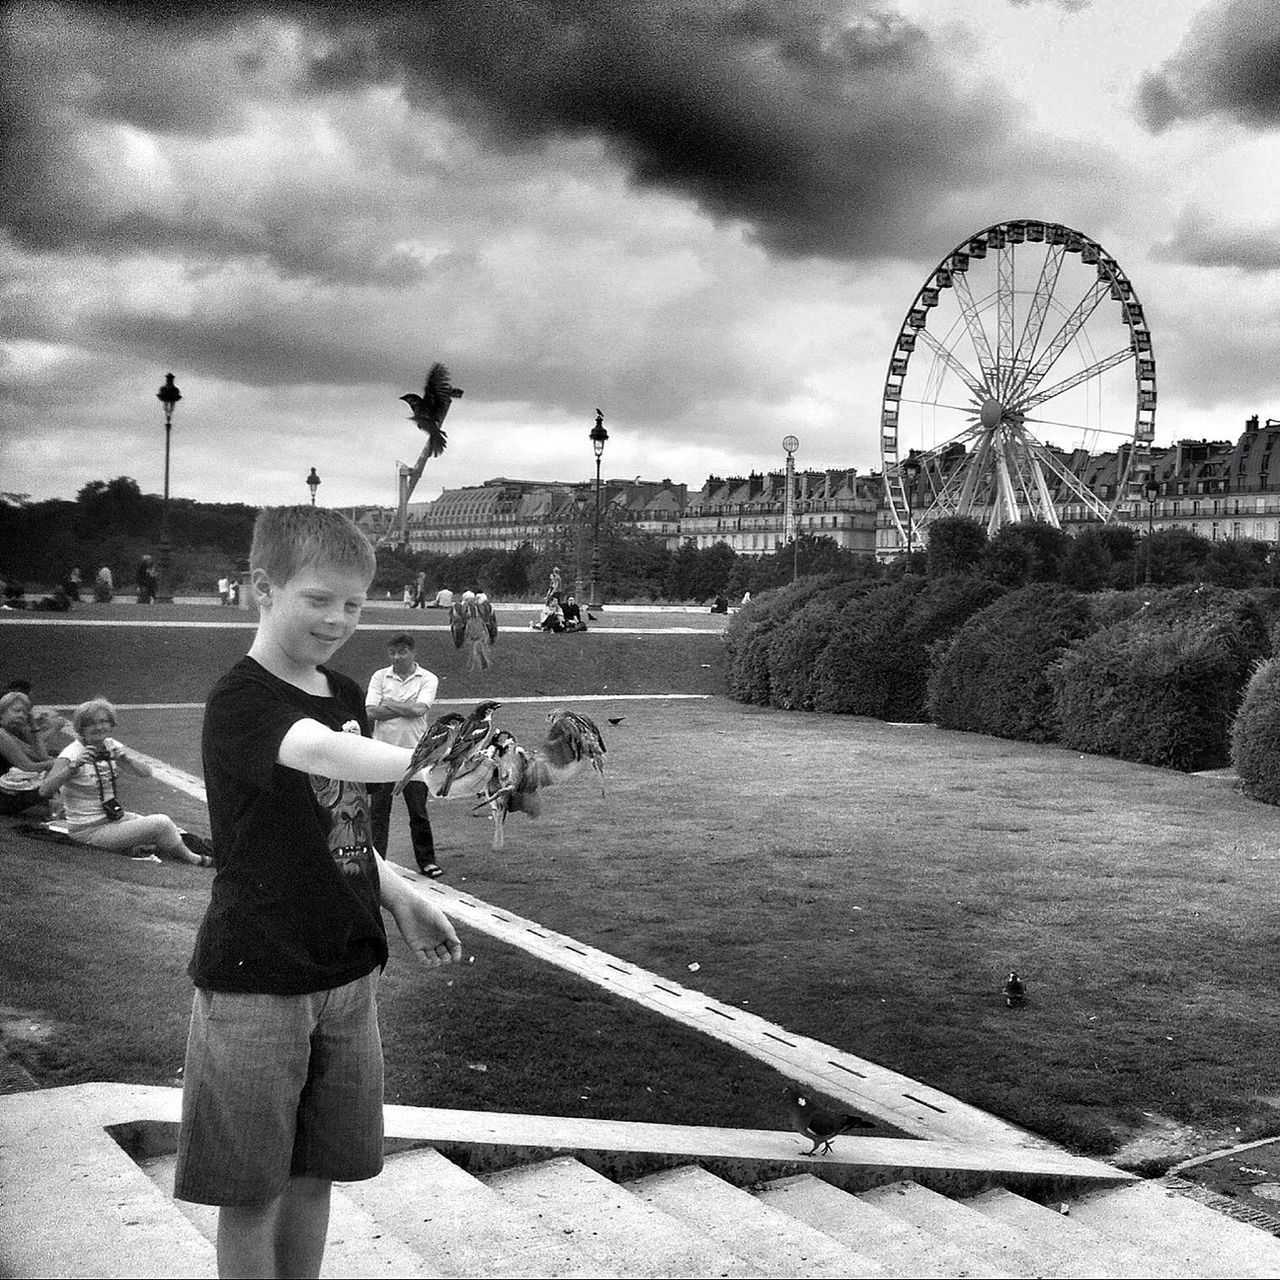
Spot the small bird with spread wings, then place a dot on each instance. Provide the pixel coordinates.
(430, 407)
(519, 778)
(818, 1124)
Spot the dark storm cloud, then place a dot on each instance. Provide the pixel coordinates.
(827, 128)
(1199, 243)
(821, 125)
(1227, 65)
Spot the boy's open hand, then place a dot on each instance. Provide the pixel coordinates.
(424, 927)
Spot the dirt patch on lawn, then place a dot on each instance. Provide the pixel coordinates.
(1159, 1143)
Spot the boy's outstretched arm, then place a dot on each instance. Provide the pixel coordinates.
(315, 748)
(421, 923)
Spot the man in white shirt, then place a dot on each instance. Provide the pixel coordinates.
(399, 704)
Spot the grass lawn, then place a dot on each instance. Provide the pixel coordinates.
(862, 883)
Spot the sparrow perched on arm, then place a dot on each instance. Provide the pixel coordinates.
(471, 739)
(817, 1124)
(431, 748)
(430, 407)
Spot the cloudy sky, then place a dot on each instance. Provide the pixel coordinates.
(704, 217)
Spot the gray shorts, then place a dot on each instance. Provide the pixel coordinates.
(280, 1086)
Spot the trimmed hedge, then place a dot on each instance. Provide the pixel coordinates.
(750, 631)
(993, 678)
(1255, 735)
(1162, 686)
(878, 661)
(796, 643)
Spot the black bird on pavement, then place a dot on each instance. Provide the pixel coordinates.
(818, 1124)
(472, 737)
(1015, 990)
(616, 720)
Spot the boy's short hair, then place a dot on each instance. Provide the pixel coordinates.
(91, 710)
(401, 641)
(285, 539)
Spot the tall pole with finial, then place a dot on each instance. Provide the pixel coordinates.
(168, 395)
(791, 444)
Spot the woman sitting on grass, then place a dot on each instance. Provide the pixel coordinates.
(26, 761)
(86, 773)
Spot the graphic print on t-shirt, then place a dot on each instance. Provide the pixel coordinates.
(345, 807)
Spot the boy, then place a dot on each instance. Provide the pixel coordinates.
(398, 702)
(282, 1091)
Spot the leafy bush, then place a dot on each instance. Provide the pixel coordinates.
(992, 678)
(1255, 735)
(750, 631)
(795, 645)
(1162, 686)
(878, 661)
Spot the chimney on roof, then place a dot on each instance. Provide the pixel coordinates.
(1251, 424)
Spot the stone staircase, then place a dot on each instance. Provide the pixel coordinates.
(86, 1174)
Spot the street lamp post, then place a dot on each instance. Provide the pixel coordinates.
(168, 395)
(910, 469)
(598, 436)
(313, 483)
(1151, 491)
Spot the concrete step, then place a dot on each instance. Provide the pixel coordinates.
(84, 1209)
(464, 1227)
(901, 1247)
(990, 1244)
(1189, 1236)
(360, 1246)
(765, 1236)
(632, 1237)
(1090, 1253)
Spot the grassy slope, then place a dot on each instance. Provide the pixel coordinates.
(863, 883)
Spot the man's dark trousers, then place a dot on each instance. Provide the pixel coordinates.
(415, 799)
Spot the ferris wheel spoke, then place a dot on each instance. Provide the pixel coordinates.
(1070, 482)
(975, 385)
(973, 325)
(1071, 327)
(1033, 327)
(1125, 433)
(1089, 371)
(1004, 334)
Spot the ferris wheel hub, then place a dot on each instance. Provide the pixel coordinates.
(991, 413)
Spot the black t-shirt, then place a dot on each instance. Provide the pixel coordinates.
(295, 901)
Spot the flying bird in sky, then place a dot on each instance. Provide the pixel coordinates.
(818, 1124)
(432, 747)
(431, 406)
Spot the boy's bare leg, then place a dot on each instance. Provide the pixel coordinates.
(280, 1237)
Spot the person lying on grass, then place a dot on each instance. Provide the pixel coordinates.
(86, 773)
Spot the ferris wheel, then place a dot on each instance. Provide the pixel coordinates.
(1022, 383)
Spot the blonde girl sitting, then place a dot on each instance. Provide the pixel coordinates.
(86, 773)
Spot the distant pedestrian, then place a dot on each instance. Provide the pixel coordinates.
(72, 584)
(419, 592)
(148, 582)
(224, 590)
(104, 586)
(554, 588)
(398, 702)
